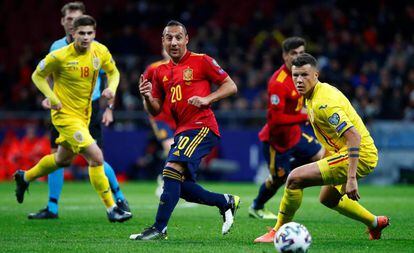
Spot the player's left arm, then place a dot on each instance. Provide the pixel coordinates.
(107, 116)
(215, 74)
(112, 73)
(353, 141)
(335, 115)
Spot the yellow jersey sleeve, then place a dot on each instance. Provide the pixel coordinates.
(108, 63)
(48, 65)
(335, 115)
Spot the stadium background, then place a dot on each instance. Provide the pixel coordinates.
(365, 49)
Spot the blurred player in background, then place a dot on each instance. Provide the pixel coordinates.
(184, 83)
(163, 124)
(75, 69)
(351, 149)
(282, 136)
(70, 12)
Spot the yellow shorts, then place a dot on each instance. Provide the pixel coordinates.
(334, 168)
(74, 136)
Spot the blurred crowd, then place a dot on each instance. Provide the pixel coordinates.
(365, 48)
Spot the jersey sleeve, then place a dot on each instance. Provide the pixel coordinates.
(276, 97)
(276, 107)
(48, 65)
(334, 113)
(213, 72)
(157, 86)
(53, 47)
(149, 72)
(108, 63)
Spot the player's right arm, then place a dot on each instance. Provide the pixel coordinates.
(45, 68)
(277, 101)
(152, 104)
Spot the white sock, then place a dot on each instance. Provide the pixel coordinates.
(109, 209)
(375, 222)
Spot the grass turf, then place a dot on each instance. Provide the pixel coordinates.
(83, 226)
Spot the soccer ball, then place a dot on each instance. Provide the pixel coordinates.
(292, 237)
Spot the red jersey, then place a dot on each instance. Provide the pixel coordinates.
(165, 114)
(176, 83)
(284, 116)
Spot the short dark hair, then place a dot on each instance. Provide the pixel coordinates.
(84, 20)
(176, 23)
(73, 6)
(304, 59)
(292, 43)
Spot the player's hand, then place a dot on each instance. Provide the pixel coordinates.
(107, 117)
(46, 104)
(351, 189)
(108, 93)
(145, 87)
(200, 102)
(56, 107)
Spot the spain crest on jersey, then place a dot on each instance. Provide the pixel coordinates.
(96, 62)
(188, 76)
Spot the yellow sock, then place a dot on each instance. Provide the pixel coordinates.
(101, 184)
(291, 201)
(354, 210)
(45, 166)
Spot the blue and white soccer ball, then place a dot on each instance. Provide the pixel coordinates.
(292, 237)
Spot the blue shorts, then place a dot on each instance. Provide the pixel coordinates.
(162, 130)
(190, 147)
(280, 164)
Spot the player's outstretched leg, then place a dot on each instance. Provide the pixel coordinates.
(121, 202)
(46, 165)
(168, 200)
(55, 183)
(331, 197)
(227, 204)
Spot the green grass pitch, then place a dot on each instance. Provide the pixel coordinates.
(83, 226)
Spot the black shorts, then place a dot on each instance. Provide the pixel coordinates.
(95, 127)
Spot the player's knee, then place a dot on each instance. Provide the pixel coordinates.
(274, 183)
(171, 173)
(175, 166)
(328, 202)
(96, 159)
(294, 180)
(62, 161)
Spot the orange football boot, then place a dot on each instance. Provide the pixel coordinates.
(382, 222)
(266, 238)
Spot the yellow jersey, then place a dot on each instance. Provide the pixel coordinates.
(331, 114)
(74, 77)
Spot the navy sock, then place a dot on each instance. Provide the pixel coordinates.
(264, 195)
(192, 192)
(169, 197)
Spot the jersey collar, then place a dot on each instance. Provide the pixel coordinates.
(315, 89)
(285, 68)
(183, 59)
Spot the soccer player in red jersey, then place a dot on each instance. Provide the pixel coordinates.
(283, 137)
(163, 125)
(184, 85)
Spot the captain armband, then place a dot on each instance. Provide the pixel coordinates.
(353, 155)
